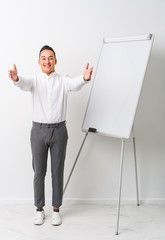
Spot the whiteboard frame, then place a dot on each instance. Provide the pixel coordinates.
(143, 37)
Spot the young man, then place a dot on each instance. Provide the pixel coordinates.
(49, 96)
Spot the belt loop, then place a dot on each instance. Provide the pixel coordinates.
(40, 125)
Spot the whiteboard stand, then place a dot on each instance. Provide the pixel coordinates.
(75, 163)
(120, 176)
(136, 174)
(117, 87)
(120, 184)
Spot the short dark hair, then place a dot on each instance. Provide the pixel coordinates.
(46, 47)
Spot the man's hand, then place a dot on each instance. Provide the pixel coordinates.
(13, 74)
(88, 72)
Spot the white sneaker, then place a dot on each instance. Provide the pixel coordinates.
(56, 219)
(39, 218)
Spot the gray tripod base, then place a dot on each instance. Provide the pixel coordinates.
(120, 180)
(75, 162)
(120, 177)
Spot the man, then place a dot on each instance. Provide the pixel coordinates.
(49, 96)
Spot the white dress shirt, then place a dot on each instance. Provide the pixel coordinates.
(49, 95)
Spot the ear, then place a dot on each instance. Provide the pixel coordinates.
(55, 61)
(39, 61)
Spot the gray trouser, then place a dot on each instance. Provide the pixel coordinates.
(44, 137)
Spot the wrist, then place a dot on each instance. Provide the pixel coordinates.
(16, 80)
(86, 79)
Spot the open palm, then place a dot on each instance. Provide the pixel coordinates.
(13, 73)
(88, 72)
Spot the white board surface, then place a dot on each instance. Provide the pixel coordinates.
(117, 85)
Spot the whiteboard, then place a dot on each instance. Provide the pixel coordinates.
(117, 85)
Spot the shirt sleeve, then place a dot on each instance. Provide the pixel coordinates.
(25, 84)
(74, 84)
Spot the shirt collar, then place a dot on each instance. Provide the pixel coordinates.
(45, 76)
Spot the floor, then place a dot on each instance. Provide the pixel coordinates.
(84, 222)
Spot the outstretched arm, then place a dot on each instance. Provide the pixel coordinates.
(25, 84)
(87, 72)
(75, 84)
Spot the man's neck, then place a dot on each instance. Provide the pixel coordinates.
(49, 73)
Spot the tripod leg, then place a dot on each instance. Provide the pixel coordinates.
(75, 163)
(136, 175)
(120, 185)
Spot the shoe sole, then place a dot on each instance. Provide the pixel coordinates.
(39, 223)
(56, 224)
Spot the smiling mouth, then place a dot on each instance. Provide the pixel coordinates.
(47, 66)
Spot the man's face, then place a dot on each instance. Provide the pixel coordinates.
(47, 61)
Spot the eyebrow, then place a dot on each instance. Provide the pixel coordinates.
(45, 56)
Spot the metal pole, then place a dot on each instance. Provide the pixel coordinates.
(136, 175)
(135, 161)
(120, 184)
(75, 163)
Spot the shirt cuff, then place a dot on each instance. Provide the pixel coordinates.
(85, 81)
(17, 82)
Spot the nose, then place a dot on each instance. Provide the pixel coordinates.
(47, 60)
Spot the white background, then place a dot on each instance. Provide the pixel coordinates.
(75, 29)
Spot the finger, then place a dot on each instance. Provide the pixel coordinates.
(14, 67)
(87, 65)
(10, 73)
(91, 69)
